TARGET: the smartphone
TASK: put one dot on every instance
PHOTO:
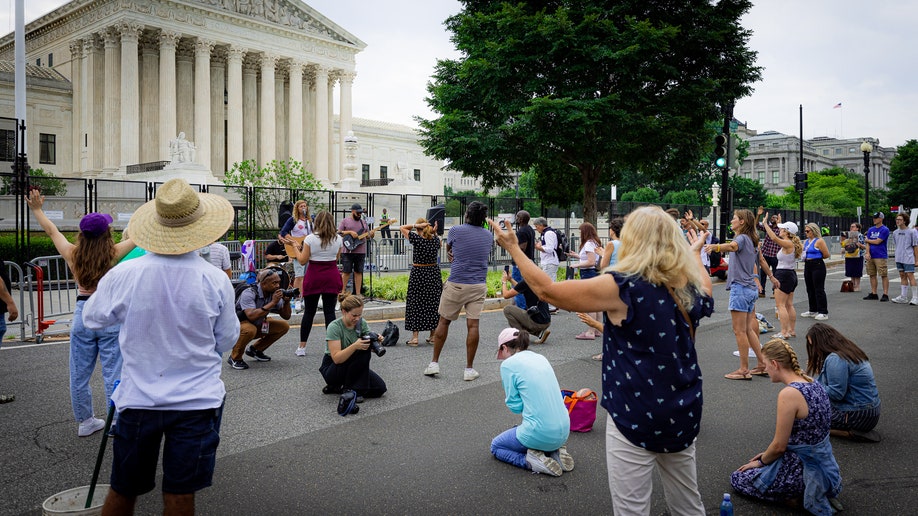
(507, 269)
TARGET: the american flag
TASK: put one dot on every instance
(836, 106)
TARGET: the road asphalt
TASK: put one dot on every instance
(424, 447)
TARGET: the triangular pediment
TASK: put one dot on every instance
(291, 14)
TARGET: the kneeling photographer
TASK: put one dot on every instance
(348, 344)
(252, 307)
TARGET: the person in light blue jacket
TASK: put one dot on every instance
(538, 443)
(844, 370)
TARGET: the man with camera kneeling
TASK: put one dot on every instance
(348, 344)
(252, 308)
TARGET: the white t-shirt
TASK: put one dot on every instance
(317, 253)
(589, 247)
(549, 244)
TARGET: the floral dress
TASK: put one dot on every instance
(425, 284)
(812, 429)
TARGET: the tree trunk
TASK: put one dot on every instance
(590, 180)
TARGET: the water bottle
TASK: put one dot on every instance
(726, 506)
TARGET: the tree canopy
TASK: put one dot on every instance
(834, 192)
(903, 175)
(585, 92)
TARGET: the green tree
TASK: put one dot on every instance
(747, 193)
(585, 92)
(276, 182)
(834, 192)
(682, 197)
(644, 194)
(903, 175)
(47, 182)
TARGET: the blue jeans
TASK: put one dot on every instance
(85, 345)
(519, 300)
(2, 328)
(507, 448)
(743, 298)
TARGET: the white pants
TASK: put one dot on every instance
(551, 269)
(631, 477)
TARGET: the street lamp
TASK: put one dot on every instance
(350, 155)
(866, 148)
(715, 203)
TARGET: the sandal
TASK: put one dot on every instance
(429, 340)
(738, 375)
(412, 343)
(758, 371)
(597, 357)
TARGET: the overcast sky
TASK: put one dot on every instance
(818, 53)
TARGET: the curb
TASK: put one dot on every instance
(391, 310)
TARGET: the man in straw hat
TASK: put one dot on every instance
(177, 317)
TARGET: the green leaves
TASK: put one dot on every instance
(903, 175)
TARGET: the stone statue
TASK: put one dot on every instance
(181, 150)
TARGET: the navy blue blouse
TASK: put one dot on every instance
(651, 382)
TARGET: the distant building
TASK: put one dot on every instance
(775, 157)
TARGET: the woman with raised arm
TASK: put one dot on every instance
(798, 462)
(94, 253)
(425, 284)
(653, 299)
(785, 275)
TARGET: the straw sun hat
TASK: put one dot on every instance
(179, 219)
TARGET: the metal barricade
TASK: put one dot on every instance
(52, 296)
(14, 272)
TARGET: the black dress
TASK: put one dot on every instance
(425, 284)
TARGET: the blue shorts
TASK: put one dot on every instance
(905, 267)
(189, 453)
(742, 298)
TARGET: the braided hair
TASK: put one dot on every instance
(780, 350)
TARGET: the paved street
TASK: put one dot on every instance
(423, 448)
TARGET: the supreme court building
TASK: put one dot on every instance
(113, 83)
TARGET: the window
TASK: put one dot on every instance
(761, 177)
(383, 172)
(852, 150)
(50, 60)
(38, 62)
(775, 176)
(47, 152)
(825, 152)
(417, 174)
(838, 150)
(7, 145)
(365, 172)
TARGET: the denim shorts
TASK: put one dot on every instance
(905, 267)
(189, 453)
(742, 298)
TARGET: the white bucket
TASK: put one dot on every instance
(73, 501)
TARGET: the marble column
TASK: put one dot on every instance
(96, 96)
(344, 121)
(267, 134)
(149, 99)
(250, 108)
(76, 122)
(167, 93)
(234, 147)
(130, 95)
(184, 89)
(87, 90)
(295, 112)
(321, 165)
(202, 50)
(218, 113)
(112, 119)
(309, 120)
(329, 129)
(280, 113)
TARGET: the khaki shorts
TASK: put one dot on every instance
(877, 265)
(457, 296)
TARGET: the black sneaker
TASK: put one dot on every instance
(257, 355)
(871, 296)
(884, 298)
(328, 389)
(237, 364)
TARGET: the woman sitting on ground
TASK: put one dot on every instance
(844, 370)
(799, 461)
(346, 364)
(538, 443)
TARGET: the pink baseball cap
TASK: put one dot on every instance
(506, 336)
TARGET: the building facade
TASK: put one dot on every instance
(242, 79)
(774, 158)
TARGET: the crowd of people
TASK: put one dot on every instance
(652, 269)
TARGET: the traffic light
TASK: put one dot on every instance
(800, 181)
(720, 151)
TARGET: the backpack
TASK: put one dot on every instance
(715, 256)
(564, 245)
(238, 290)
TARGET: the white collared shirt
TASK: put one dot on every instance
(177, 317)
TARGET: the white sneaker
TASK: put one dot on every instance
(432, 369)
(300, 352)
(541, 463)
(90, 426)
(470, 374)
(563, 458)
(900, 299)
(914, 301)
(822, 317)
(808, 314)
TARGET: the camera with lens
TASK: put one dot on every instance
(291, 292)
(375, 345)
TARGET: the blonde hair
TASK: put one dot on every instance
(351, 302)
(296, 209)
(798, 245)
(427, 231)
(748, 229)
(814, 229)
(780, 350)
(654, 248)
